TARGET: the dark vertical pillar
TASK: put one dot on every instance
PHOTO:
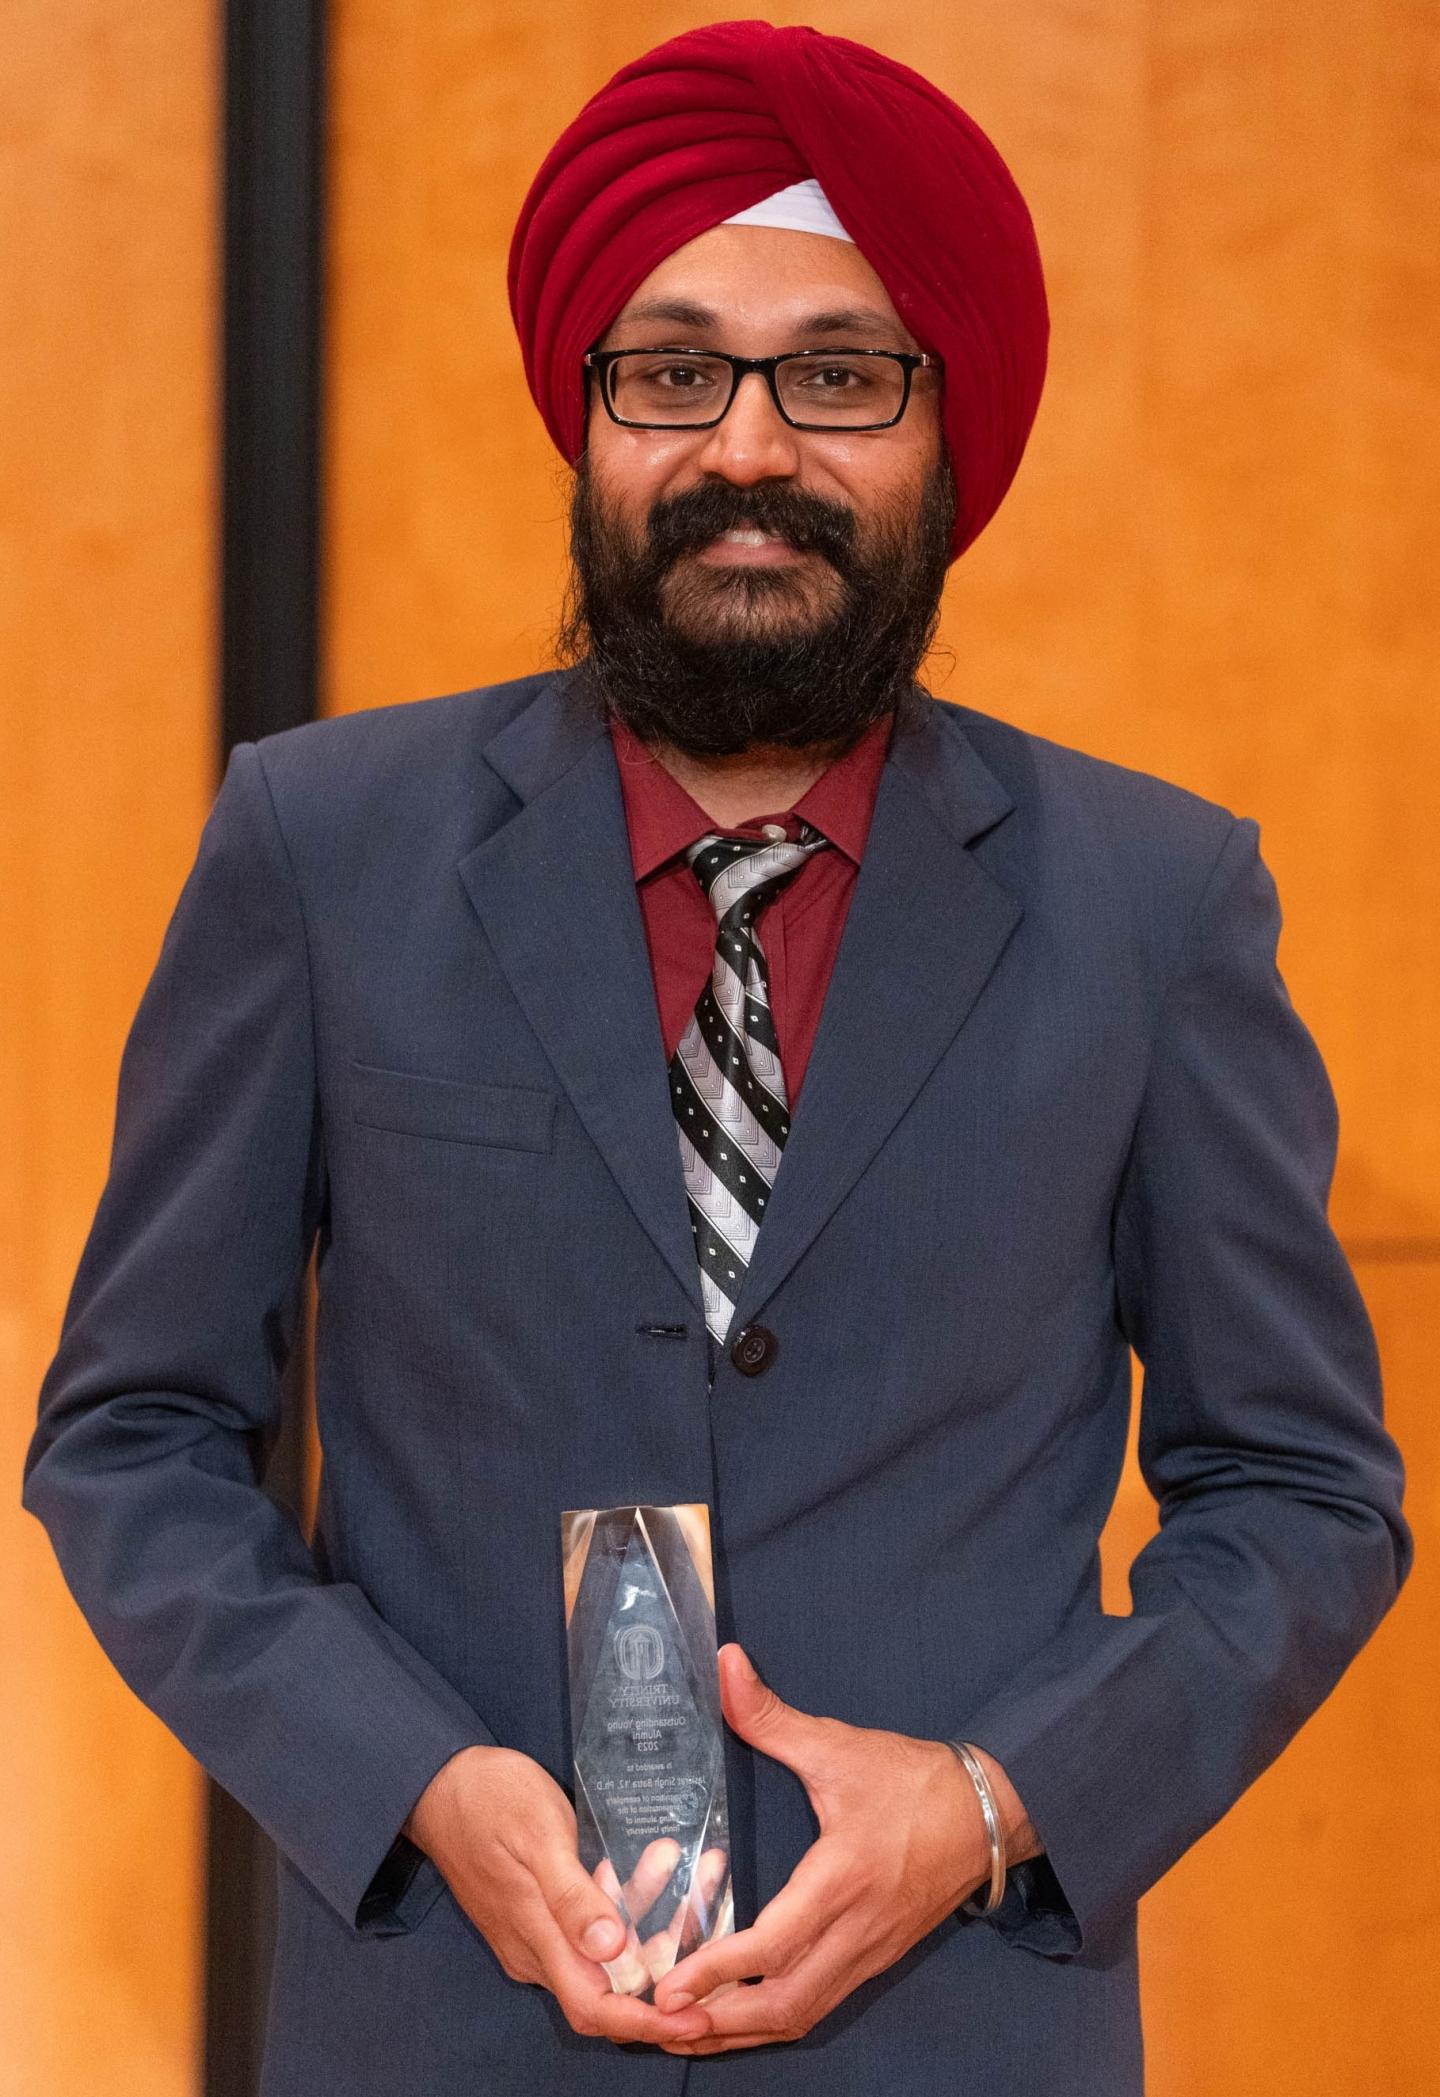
(273, 284)
(272, 225)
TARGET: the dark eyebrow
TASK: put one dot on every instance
(681, 311)
(850, 320)
(835, 322)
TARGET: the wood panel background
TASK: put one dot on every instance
(1217, 564)
(107, 766)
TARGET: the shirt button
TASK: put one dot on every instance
(774, 831)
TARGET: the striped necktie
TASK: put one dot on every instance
(726, 1084)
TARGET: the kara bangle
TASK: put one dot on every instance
(988, 1808)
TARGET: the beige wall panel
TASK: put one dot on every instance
(1217, 564)
(107, 294)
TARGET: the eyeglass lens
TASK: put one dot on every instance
(843, 392)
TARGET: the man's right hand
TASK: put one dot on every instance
(502, 1833)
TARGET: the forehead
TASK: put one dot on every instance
(760, 280)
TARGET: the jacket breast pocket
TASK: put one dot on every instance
(510, 1117)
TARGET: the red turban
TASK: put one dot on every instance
(719, 118)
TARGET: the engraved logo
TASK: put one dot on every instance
(640, 1651)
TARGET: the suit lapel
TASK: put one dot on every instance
(925, 927)
(554, 889)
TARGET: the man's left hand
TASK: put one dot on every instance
(902, 1842)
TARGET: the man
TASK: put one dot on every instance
(718, 1072)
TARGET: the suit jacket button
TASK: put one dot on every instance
(753, 1349)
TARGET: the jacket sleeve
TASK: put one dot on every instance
(1281, 1542)
(164, 1395)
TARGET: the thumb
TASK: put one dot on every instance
(763, 1719)
(589, 1921)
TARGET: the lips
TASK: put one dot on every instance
(750, 542)
(748, 546)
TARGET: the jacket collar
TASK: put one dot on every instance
(554, 889)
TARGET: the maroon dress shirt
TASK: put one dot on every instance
(799, 929)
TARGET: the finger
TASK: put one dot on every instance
(811, 1900)
(592, 2007)
(787, 2005)
(627, 1971)
(598, 2012)
(764, 1720)
(653, 1872)
(588, 1916)
(694, 1918)
(709, 1912)
(713, 1875)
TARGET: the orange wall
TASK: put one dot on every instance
(1217, 564)
(107, 296)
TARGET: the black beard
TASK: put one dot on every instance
(714, 660)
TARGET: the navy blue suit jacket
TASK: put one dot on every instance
(1059, 1106)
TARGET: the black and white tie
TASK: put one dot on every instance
(726, 1084)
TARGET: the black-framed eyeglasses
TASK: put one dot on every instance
(822, 389)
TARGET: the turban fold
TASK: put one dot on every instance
(801, 207)
(720, 118)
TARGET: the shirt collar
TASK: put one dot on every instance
(663, 818)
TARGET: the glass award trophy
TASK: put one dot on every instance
(646, 1730)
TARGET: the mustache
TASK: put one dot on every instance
(687, 522)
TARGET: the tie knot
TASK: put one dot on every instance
(739, 874)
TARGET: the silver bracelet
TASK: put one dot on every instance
(968, 1757)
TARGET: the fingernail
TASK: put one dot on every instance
(745, 1668)
(679, 2002)
(601, 1937)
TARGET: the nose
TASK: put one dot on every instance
(752, 442)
